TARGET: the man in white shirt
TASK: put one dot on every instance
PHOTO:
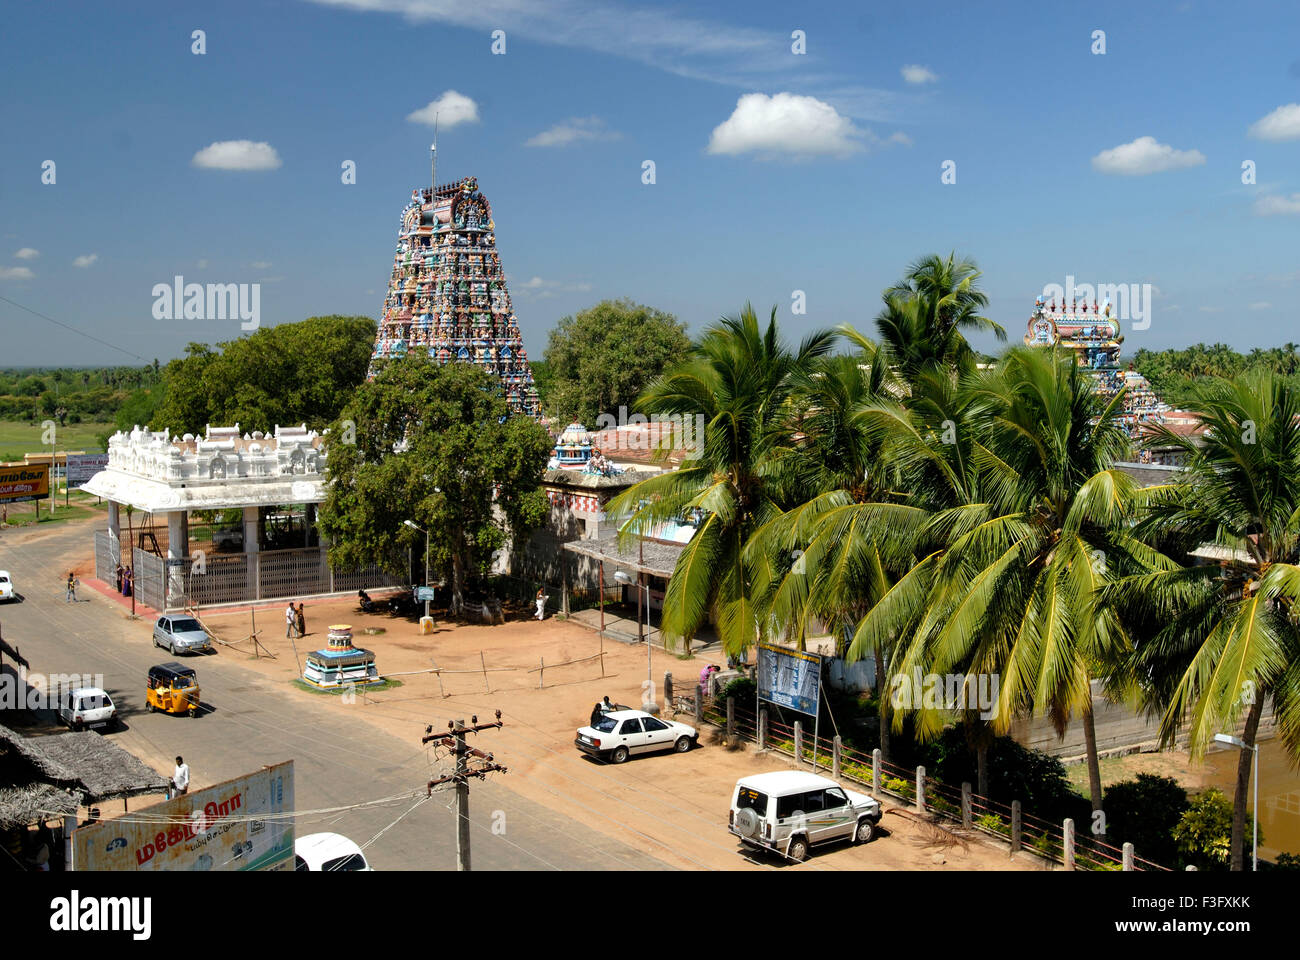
(181, 778)
(290, 620)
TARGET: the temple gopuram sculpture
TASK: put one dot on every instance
(448, 294)
(1094, 336)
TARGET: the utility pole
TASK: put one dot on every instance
(454, 739)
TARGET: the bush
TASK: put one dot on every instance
(1204, 832)
(742, 689)
(993, 823)
(897, 785)
(1144, 812)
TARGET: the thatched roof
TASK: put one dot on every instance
(45, 776)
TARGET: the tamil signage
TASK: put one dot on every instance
(24, 483)
(789, 678)
(83, 466)
(242, 824)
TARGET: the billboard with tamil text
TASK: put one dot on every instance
(22, 482)
(789, 678)
(242, 824)
(83, 466)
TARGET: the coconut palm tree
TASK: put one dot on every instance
(928, 312)
(1218, 639)
(740, 378)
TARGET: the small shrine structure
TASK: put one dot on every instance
(340, 664)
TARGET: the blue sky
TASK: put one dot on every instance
(1123, 167)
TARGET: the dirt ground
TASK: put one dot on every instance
(671, 806)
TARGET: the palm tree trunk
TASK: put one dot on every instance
(1094, 764)
(1243, 785)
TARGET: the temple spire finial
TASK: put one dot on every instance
(433, 157)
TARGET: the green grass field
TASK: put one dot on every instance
(18, 437)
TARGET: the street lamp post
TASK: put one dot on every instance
(1254, 764)
(426, 619)
(622, 577)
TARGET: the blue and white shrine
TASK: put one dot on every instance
(340, 664)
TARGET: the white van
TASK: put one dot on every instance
(790, 811)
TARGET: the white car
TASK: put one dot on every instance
(790, 811)
(86, 708)
(6, 586)
(327, 851)
(620, 734)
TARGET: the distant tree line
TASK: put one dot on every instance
(1173, 372)
(72, 394)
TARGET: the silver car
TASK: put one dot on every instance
(181, 634)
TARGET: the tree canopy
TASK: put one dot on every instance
(436, 445)
(604, 356)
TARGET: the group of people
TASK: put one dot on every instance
(600, 709)
(125, 580)
(294, 619)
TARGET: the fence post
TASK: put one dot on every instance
(798, 741)
(699, 704)
(876, 756)
(762, 729)
(835, 758)
(1015, 826)
(1069, 843)
(668, 691)
(920, 789)
(541, 672)
(1128, 856)
(965, 806)
(731, 719)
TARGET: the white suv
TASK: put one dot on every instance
(789, 811)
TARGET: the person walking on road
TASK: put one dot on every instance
(290, 621)
(72, 588)
(541, 604)
(302, 621)
(181, 778)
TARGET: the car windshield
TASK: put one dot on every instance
(186, 626)
(605, 725)
(182, 683)
(353, 861)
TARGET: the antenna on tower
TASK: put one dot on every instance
(433, 156)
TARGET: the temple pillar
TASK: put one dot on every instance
(178, 548)
(252, 544)
(115, 530)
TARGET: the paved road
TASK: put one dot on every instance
(250, 722)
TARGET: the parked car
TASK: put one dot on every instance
(6, 587)
(791, 811)
(230, 538)
(87, 708)
(623, 733)
(327, 851)
(180, 634)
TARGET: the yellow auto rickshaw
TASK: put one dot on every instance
(173, 688)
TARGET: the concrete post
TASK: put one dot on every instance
(699, 705)
(876, 757)
(731, 720)
(1069, 843)
(798, 741)
(836, 746)
(920, 789)
(965, 806)
(69, 842)
(1015, 826)
(115, 531)
(668, 690)
(251, 547)
(762, 729)
(1128, 856)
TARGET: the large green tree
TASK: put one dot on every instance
(287, 374)
(436, 445)
(603, 357)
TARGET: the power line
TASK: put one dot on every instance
(80, 333)
(464, 771)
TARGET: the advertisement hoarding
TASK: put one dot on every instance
(789, 678)
(24, 483)
(83, 466)
(242, 824)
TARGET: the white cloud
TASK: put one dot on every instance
(450, 109)
(85, 260)
(900, 137)
(1268, 205)
(237, 155)
(540, 289)
(1144, 155)
(571, 131)
(1282, 124)
(15, 273)
(203, 263)
(785, 123)
(1210, 309)
(915, 73)
(27, 253)
(260, 264)
(1261, 305)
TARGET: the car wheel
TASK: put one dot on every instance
(194, 711)
(866, 831)
(619, 754)
(148, 706)
(798, 850)
(171, 648)
(682, 745)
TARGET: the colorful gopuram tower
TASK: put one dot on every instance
(448, 293)
(1094, 336)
